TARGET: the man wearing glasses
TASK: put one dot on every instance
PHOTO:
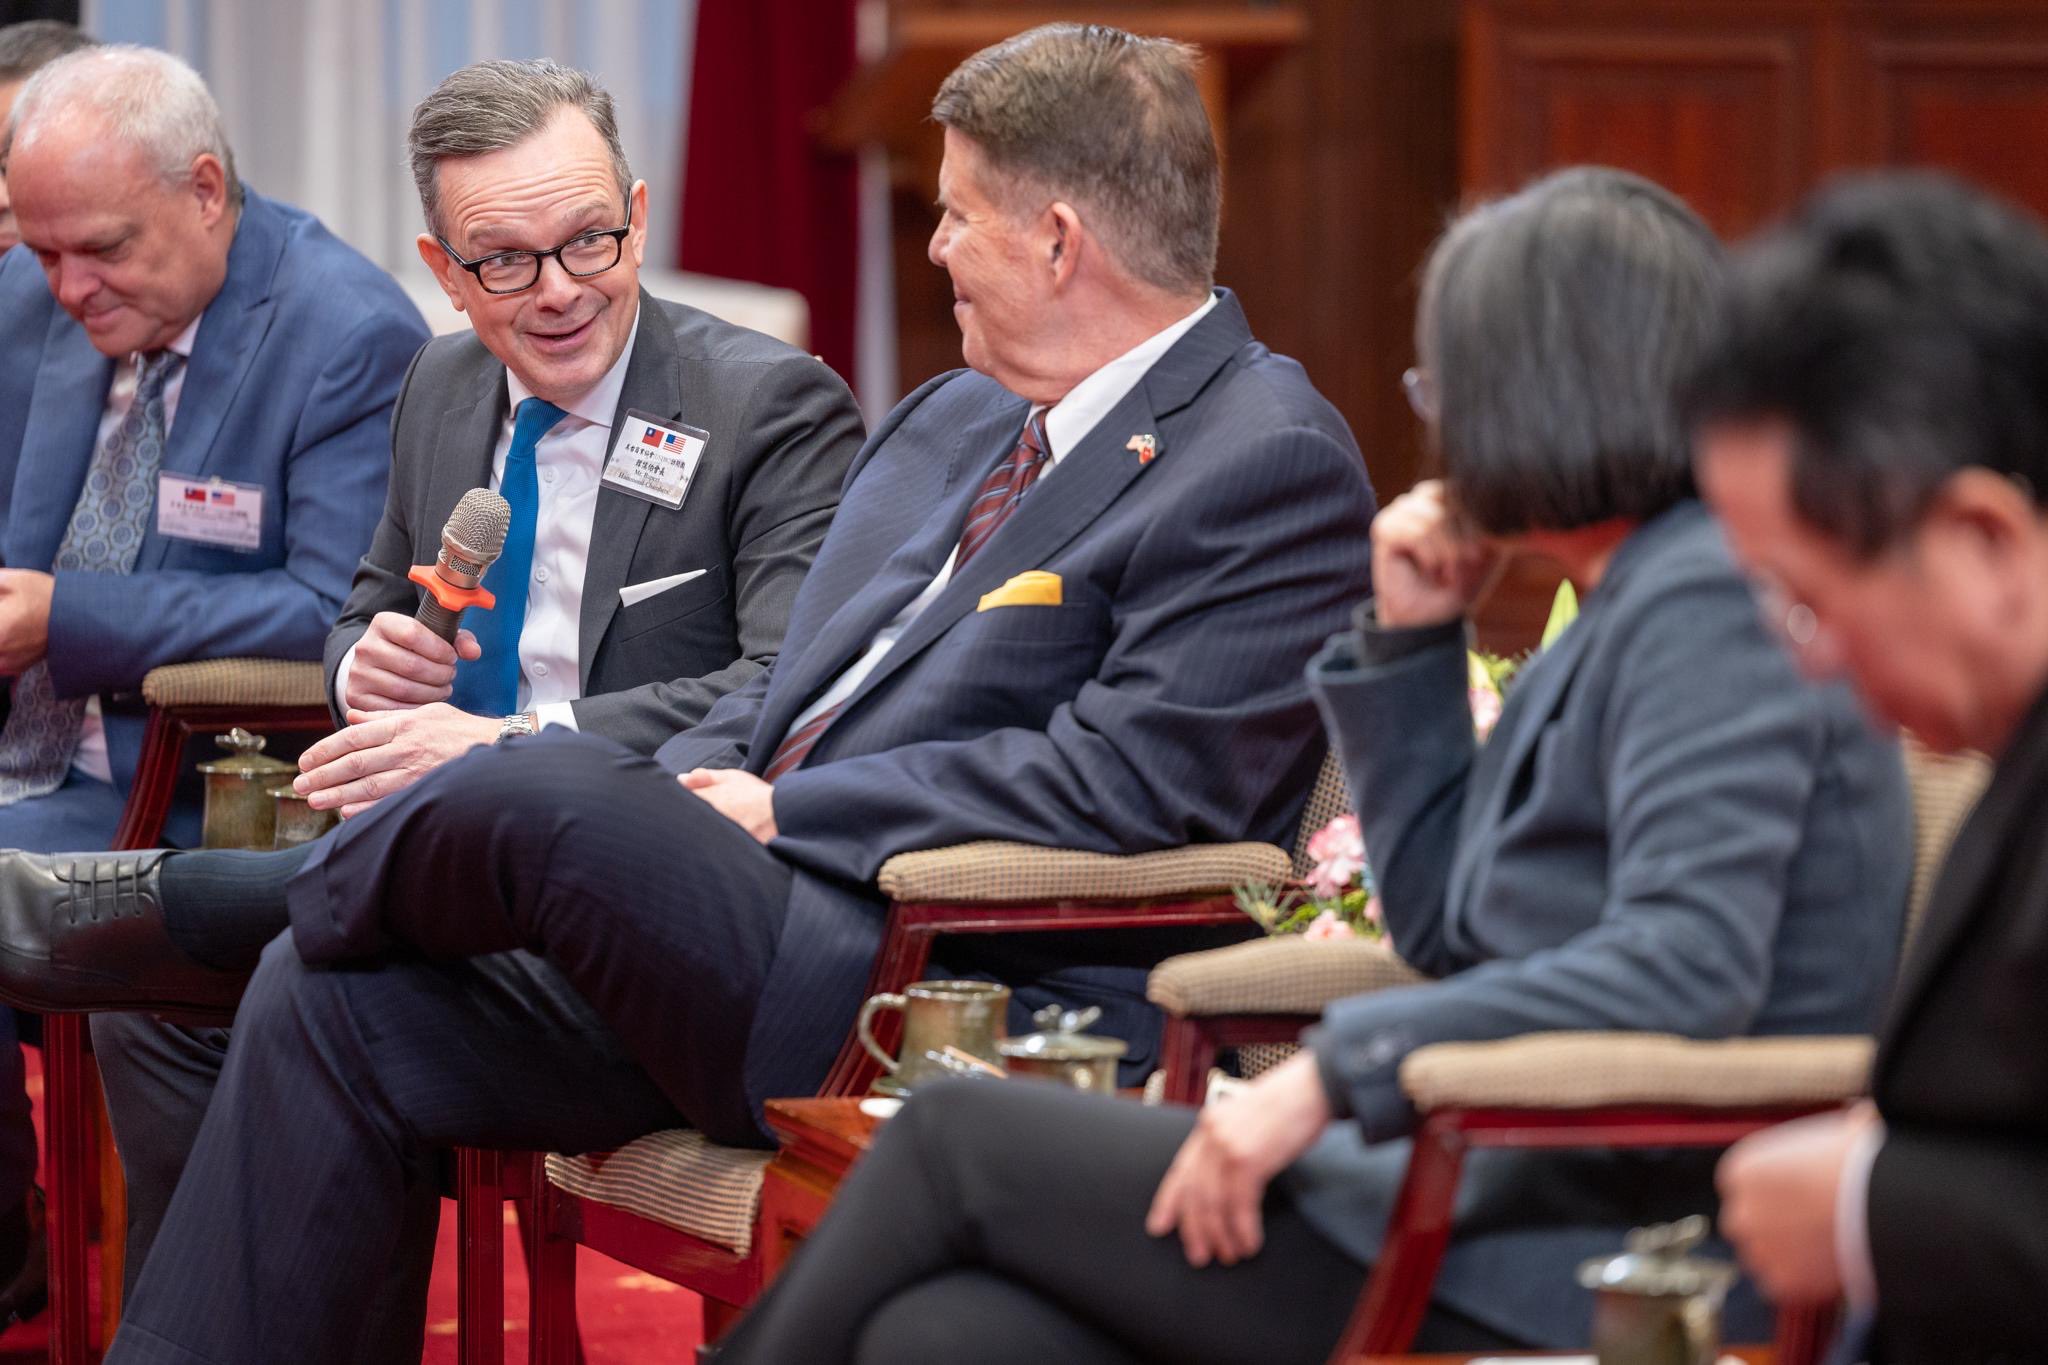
(619, 609)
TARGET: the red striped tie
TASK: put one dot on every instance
(998, 497)
(1003, 490)
(797, 743)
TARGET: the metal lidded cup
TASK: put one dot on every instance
(1062, 1052)
(966, 1015)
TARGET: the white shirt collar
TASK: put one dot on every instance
(600, 402)
(1068, 422)
(182, 343)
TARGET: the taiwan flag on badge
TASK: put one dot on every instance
(652, 438)
(195, 495)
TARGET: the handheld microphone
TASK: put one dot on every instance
(470, 543)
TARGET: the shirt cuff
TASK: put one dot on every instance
(1378, 644)
(1852, 1221)
(561, 713)
(341, 672)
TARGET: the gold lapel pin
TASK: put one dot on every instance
(1145, 444)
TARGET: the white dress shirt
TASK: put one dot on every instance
(89, 759)
(1853, 1256)
(570, 463)
(1067, 424)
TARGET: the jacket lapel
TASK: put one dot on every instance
(2009, 810)
(848, 632)
(653, 385)
(230, 332)
(1538, 695)
(464, 449)
(1087, 480)
(62, 432)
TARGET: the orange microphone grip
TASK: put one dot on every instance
(447, 594)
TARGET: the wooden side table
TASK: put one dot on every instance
(821, 1140)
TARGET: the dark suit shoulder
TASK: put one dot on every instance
(1274, 389)
(702, 336)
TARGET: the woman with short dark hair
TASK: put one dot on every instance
(1668, 831)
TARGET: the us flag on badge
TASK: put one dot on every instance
(222, 497)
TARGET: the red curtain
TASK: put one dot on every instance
(762, 200)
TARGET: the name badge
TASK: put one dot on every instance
(655, 461)
(210, 512)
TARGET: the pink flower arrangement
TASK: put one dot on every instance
(1338, 851)
(1335, 899)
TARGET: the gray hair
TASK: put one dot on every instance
(489, 106)
(1556, 327)
(29, 46)
(150, 100)
(1109, 121)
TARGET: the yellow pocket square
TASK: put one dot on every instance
(1034, 588)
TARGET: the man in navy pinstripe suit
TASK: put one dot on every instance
(1067, 600)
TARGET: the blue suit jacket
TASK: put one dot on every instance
(1668, 831)
(1160, 702)
(290, 386)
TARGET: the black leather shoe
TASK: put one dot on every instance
(85, 931)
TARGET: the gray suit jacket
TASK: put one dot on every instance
(1668, 831)
(783, 431)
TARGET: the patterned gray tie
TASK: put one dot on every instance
(104, 536)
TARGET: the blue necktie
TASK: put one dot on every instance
(489, 685)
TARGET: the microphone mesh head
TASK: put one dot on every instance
(479, 523)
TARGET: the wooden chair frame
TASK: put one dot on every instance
(73, 1110)
(728, 1281)
(1390, 1308)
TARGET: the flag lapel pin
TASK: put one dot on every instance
(1146, 445)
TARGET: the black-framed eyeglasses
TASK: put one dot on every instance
(510, 272)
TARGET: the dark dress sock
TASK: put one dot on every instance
(222, 905)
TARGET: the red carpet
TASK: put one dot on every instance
(628, 1318)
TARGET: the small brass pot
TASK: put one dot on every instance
(239, 811)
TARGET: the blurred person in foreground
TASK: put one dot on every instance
(1066, 600)
(196, 386)
(1667, 831)
(1873, 430)
(25, 49)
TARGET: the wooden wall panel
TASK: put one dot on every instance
(1742, 106)
(1340, 166)
(1973, 106)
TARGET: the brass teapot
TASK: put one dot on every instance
(1655, 1304)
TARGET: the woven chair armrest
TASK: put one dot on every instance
(236, 682)
(1288, 975)
(1599, 1070)
(993, 870)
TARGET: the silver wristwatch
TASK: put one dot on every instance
(520, 724)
